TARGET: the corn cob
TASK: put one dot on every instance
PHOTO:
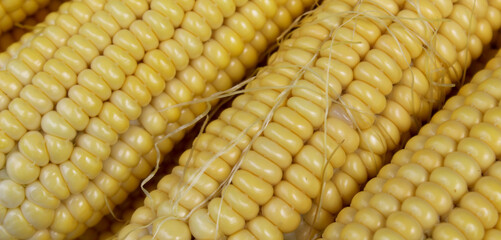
(446, 183)
(14, 34)
(256, 164)
(93, 188)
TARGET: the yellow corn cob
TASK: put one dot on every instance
(87, 156)
(446, 183)
(14, 34)
(290, 133)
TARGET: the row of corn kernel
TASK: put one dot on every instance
(220, 133)
(410, 104)
(225, 78)
(445, 184)
(106, 183)
(13, 35)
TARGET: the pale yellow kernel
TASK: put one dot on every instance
(257, 189)
(216, 53)
(160, 25)
(37, 216)
(369, 217)
(83, 47)
(489, 187)
(77, 181)
(136, 89)
(436, 196)
(313, 160)
(206, 69)
(202, 226)
(389, 45)
(20, 169)
(12, 194)
(120, 56)
(230, 40)
(405, 224)
(264, 229)
(170, 9)
(361, 114)
(72, 113)
(259, 165)
(346, 215)
(127, 41)
(422, 211)
(120, 12)
(293, 196)
(478, 149)
(388, 171)
(108, 185)
(361, 200)
(109, 71)
(32, 146)
(384, 203)
(94, 83)
(63, 222)
(145, 34)
(11, 126)
(451, 181)
(17, 225)
(86, 162)
(176, 52)
(373, 140)
(10, 85)
(44, 45)
(39, 195)
(467, 223)
(53, 181)
(481, 208)
(345, 182)
(229, 220)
